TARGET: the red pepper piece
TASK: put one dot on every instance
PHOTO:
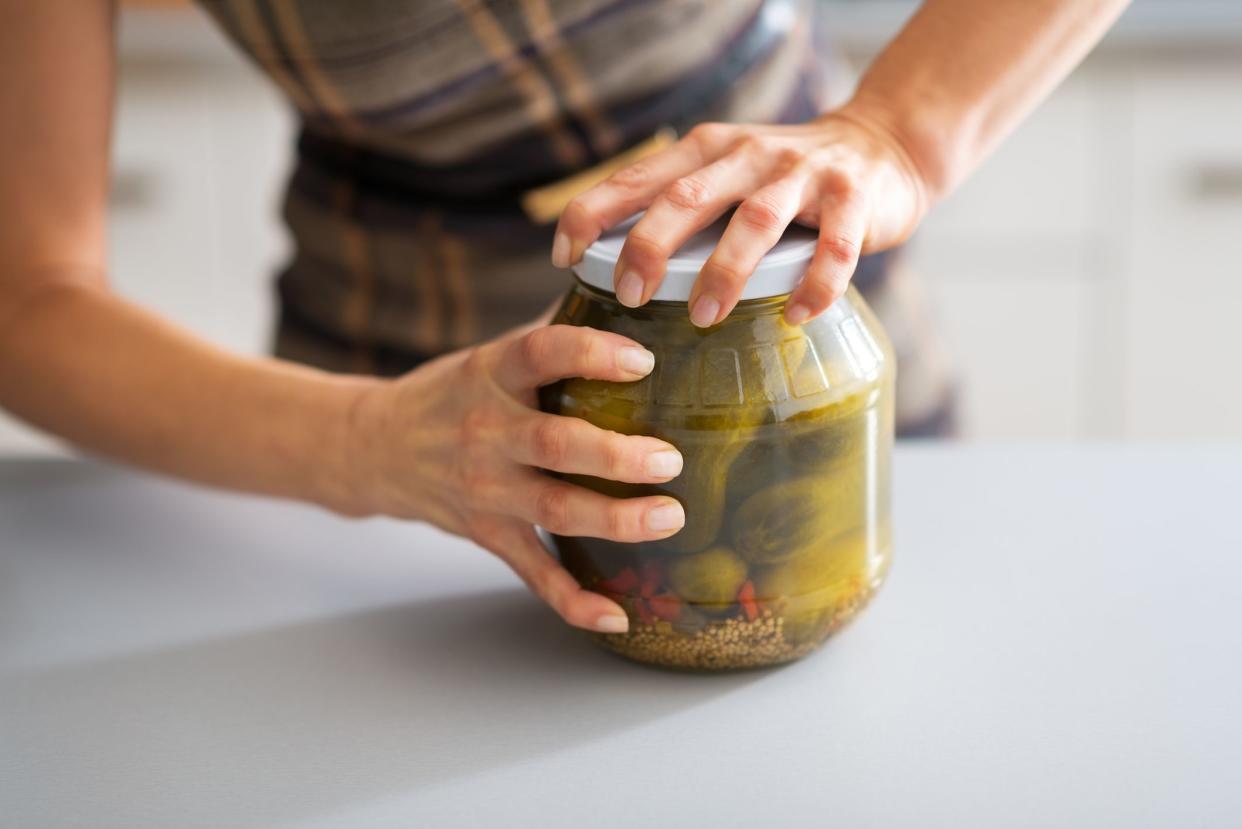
(650, 579)
(746, 598)
(624, 582)
(666, 605)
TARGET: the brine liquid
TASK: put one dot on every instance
(800, 542)
(786, 435)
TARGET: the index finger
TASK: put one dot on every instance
(618, 197)
(557, 352)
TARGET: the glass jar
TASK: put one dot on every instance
(786, 434)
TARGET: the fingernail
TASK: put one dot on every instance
(668, 517)
(704, 311)
(663, 464)
(797, 314)
(560, 251)
(612, 624)
(630, 289)
(638, 361)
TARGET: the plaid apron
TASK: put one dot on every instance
(424, 121)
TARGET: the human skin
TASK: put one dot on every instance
(938, 99)
(459, 442)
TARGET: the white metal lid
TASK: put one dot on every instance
(778, 272)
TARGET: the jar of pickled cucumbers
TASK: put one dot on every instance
(786, 434)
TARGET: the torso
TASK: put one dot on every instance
(442, 82)
(424, 120)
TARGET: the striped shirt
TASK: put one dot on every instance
(425, 120)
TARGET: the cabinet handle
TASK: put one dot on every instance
(1216, 181)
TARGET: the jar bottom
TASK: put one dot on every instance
(734, 643)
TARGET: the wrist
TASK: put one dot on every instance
(394, 443)
(345, 483)
(919, 142)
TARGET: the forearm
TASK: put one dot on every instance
(84, 364)
(963, 73)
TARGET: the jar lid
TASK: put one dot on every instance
(778, 273)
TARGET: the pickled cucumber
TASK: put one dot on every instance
(708, 453)
(824, 575)
(711, 577)
(830, 435)
(813, 588)
(700, 488)
(793, 518)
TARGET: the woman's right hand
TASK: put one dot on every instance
(459, 443)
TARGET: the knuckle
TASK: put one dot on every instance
(708, 133)
(551, 444)
(838, 183)
(616, 522)
(535, 347)
(474, 477)
(719, 272)
(637, 176)
(616, 457)
(475, 428)
(641, 244)
(578, 213)
(753, 146)
(790, 158)
(762, 213)
(688, 193)
(841, 248)
(473, 472)
(552, 509)
(591, 352)
(744, 143)
(475, 364)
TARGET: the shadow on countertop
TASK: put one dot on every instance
(299, 720)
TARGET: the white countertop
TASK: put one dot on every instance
(1058, 645)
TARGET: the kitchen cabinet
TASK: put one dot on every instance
(1021, 367)
(1011, 268)
(1100, 252)
(200, 157)
(1184, 331)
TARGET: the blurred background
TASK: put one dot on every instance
(1088, 278)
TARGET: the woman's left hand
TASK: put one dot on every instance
(843, 173)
